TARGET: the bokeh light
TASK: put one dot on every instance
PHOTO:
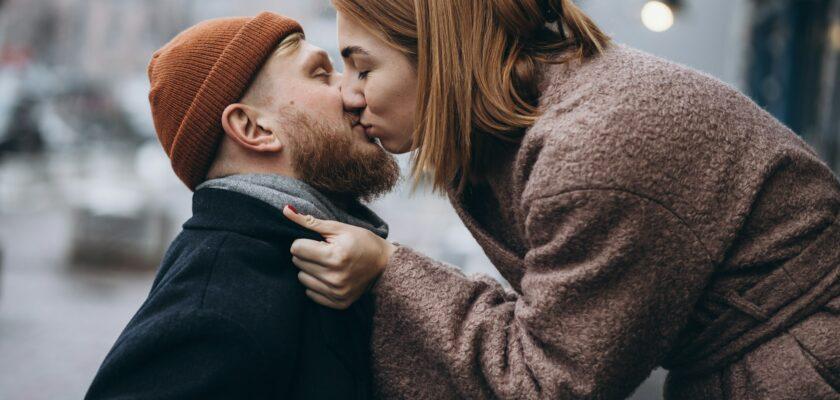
(657, 16)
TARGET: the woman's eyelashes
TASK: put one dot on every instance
(363, 75)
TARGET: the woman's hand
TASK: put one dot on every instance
(341, 269)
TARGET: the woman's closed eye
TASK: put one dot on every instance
(363, 75)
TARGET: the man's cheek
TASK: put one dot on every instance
(323, 108)
(311, 102)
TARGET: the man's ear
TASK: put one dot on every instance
(241, 124)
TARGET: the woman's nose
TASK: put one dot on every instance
(352, 96)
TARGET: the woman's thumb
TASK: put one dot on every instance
(309, 222)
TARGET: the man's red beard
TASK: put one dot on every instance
(330, 159)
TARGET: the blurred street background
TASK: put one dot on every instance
(88, 202)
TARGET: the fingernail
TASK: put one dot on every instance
(291, 207)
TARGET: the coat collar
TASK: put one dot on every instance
(280, 190)
(216, 209)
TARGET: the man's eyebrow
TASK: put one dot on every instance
(317, 58)
(349, 51)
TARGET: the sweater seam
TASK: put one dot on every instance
(642, 196)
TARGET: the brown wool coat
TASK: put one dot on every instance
(653, 216)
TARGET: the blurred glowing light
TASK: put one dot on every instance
(834, 35)
(657, 16)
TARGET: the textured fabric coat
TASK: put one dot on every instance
(653, 216)
(227, 318)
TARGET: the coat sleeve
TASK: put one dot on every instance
(610, 279)
(195, 355)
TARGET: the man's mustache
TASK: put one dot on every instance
(352, 118)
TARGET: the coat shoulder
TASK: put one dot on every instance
(626, 80)
(255, 283)
(632, 121)
(247, 281)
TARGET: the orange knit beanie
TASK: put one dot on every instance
(198, 74)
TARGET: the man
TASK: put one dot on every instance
(251, 116)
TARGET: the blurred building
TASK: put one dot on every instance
(109, 39)
(794, 68)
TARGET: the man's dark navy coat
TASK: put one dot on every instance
(226, 318)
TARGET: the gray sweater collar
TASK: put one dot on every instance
(279, 190)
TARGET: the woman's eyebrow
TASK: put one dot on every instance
(350, 51)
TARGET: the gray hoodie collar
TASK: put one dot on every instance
(279, 190)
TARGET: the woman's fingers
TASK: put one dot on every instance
(310, 250)
(329, 283)
(314, 269)
(316, 285)
(340, 269)
(324, 227)
(326, 302)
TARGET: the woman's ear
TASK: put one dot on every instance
(241, 123)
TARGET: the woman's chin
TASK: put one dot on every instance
(392, 148)
(395, 146)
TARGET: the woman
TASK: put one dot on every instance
(644, 214)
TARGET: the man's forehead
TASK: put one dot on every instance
(313, 50)
(302, 54)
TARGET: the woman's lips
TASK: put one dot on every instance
(369, 132)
